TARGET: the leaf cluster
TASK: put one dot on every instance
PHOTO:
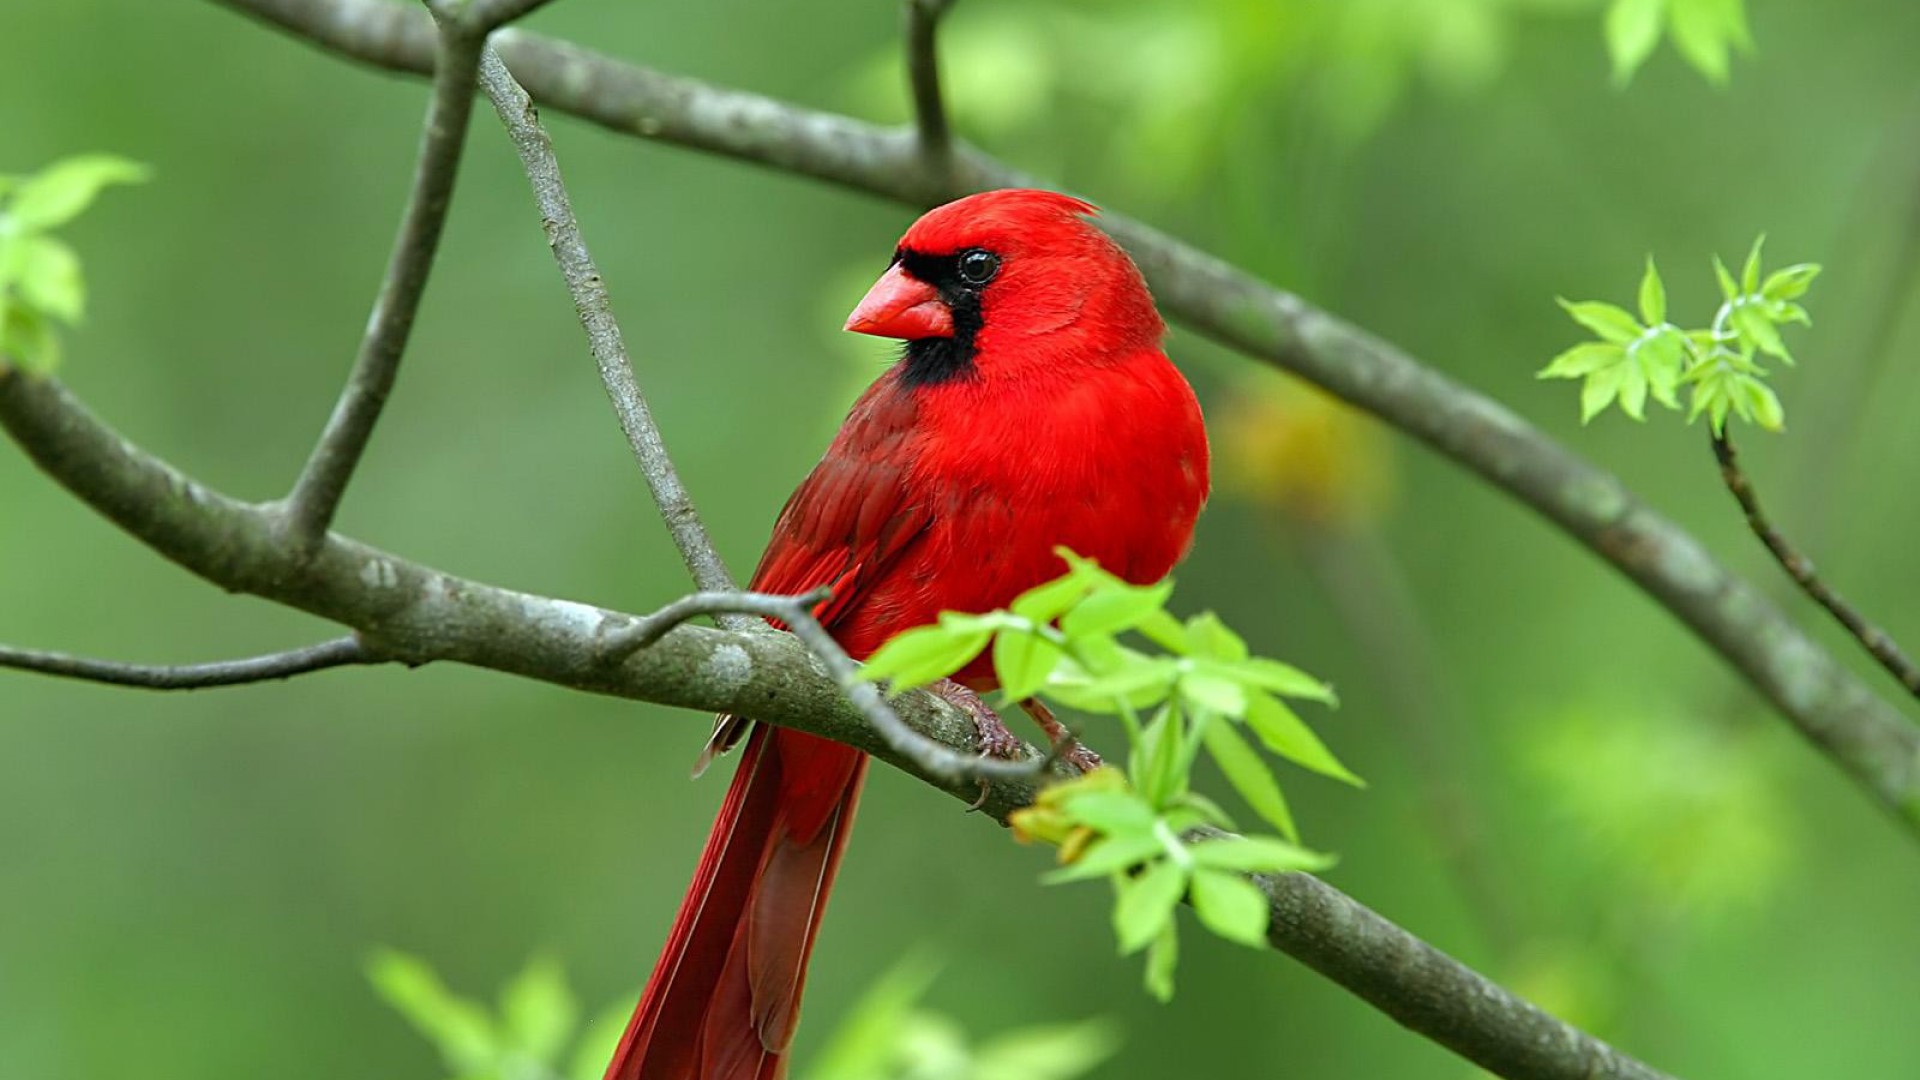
(1704, 31)
(1199, 690)
(40, 279)
(1719, 366)
(890, 1035)
(526, 1038)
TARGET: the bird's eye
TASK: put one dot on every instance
(978, 267)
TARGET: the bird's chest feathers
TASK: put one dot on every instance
(1080, 462)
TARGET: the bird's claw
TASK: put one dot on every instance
(990, 732)
(1080, 756)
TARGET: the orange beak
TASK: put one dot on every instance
(901, 306)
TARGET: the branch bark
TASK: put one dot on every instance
(416, 614)
(1861, 732)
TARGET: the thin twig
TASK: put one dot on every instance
(340, 652)
(1800, 569)
(595, 309)
(311, 505)
(923, 77)
(623, 643)
(796, 612)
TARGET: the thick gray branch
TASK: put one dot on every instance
(1861, 732)
(316, 495)
(340, 652)
(609, 348)
(416, 614)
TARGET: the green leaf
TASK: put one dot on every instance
(458, 1028)
(1048, 601)
(28, 339)
(1610, 322)
(1161, 773)
(1052, 1052)
(1653, 296)
(1164, 630)
(1750, 273)
(1583, 359)
(1790, 283)
(1662, 358)
(867, 1041)
(1728, 287)
(1633, 29)
(1208, 636)
(1114, 607)
(1258, 671)
(1116, 813)
(1257, 855)
(1705, 30)
(1141, 682)
(1205, 688)
(60, 192)
(1782, 311)
(1756, 329)
(1724, 388)
(1024, 660)
(538, 1011)
(1230, 906)
(1284, 733)
(1109, 855)
(1763, 406)
(1249, 776)
(1633, 392)
(923, 655)
(1161, 960)
(1599, 391)
(48, 277)
(1145, 904)
(1203, 810)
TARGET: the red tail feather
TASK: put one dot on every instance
(725, 994)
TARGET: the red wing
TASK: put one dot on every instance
(854, 514)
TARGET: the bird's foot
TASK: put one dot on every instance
(1066, 746)
(990, 731)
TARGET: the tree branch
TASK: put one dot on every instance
(1800, 568)
(595, 308)
(923, 79)
(491, 14)
(1860, 731)
(316, 495)
(416, 614)
(796, 612)
(340, 652)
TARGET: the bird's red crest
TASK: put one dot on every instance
(992, 217)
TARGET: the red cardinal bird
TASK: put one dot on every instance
(1032, 408)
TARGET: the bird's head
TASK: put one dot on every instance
(1005, 282)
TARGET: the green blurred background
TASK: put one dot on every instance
(1567, 789)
